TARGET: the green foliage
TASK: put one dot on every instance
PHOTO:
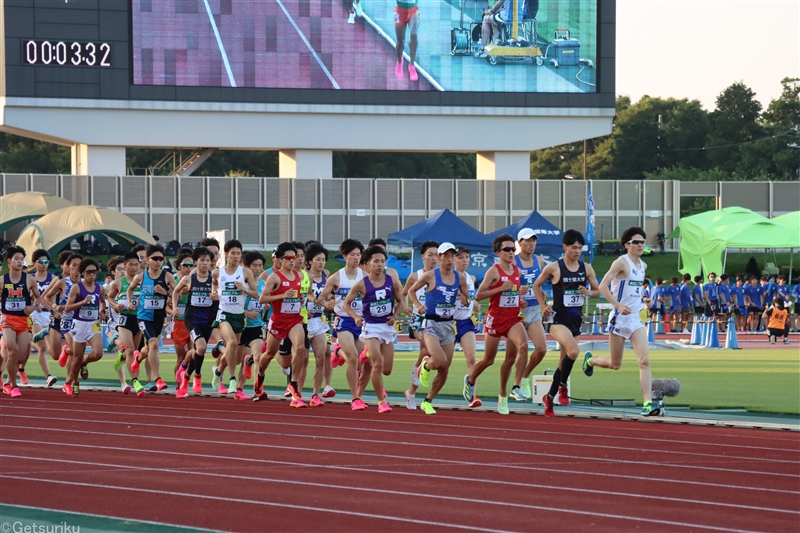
(19, 155)
(403, 166)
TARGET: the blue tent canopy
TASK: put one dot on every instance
(548, 236)
(444, 226)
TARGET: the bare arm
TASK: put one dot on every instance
(359, 289)
(617, 267)
(412, 289)
(491, 278)
(273, 282)
(331, 285)
(548, 273)
(137, 280)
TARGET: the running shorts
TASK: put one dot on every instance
(465, 326)
(129, 322)
(151, 329)
(19, 324)
(383, 332)
(499, 328)
(624, 325)
(572, 323)
(251, 334)
(444, 331)
(180, 335)
(286, 344)
(84, 331)
(531, 314)
(402, 15)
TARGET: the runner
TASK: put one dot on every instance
(156, 284)
(201, 310)
(19, 299)
(180, 335)
(318, 328)
(232, 283)
(530, 267)
(41, 318)
(252, 338)
(127, 324)
(627, 320)
(283, 287)
(501, 285)
(442, 286)
(465, 316)
(568, 277)
(87, 300)
(116, 268)
(286, 344)
(347, 332)
(406, 14)
(213, 246)
(61, 320)
(430, 258)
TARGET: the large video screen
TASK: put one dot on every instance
(444, 45)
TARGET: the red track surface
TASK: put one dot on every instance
(265, 467)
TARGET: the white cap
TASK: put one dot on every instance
(445, 246)
(24, 264)
(525, 233)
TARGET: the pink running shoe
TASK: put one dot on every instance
(288, 392)
(135, 364)
(23, 378)
(316, 401)
(563, 395)
(336, 359)
(298, 404)
(62, 359)
(383, 407)
(179, 393)
(398, 70)
(549, 412)
(248, 366)
(184, 388)
(476, 402)
(127, 389)
(240, 395)
(412, 73)
(222, 390)
(197, 385)
(179, 375)
(7, 388)
(15, 393)
(160, 385)
(363, 356)
(357, 405)
(67, 388)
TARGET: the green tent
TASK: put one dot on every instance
(705, 237)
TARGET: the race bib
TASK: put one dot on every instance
(445, 310)
(253, 305)
(380, 308)
(181, 310)
(89, 313)
(290, 306)
(14, 305)
(314, 308)
(572, 298)
(201, 300)
(122, 320)
(152, 302)
(231, 299)
(509, 299)
(357, 306)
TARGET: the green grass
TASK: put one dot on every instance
(757, 380)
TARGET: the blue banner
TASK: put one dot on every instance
(590, 224)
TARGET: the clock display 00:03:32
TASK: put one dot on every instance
(64, 53)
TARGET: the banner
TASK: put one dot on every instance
(590, 224)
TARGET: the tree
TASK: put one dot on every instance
(734, 121)
(20, 155)
(405, 165)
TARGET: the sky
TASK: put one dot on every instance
(695, 49)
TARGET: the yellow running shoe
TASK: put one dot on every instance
(427, 408)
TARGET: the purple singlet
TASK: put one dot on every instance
(379, 301)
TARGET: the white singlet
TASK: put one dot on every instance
(628, 291)
(231, 299)
(462, 311)
(345, 284)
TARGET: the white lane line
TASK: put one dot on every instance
(402, 473)
(219, 43)
(308, 45)
(403, 494)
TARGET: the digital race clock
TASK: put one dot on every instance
(66, 53)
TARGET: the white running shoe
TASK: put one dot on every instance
(359, 11)
(415, 376)
(411, 402)
(214, 378)
(352, 18)
(286, 371)
(51, 380)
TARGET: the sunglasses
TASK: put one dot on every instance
(120, 269)
(43, 261)
(508, 249)
(289, 257)
(88, 272)
(187, 265)
(157, 258)
(636, 241)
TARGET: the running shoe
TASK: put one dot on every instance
(587, 368)
(469, 390)
(424, 373)
(7, 388)
(138, 387)
(427, 408)
(412, 73)
(184, 385)
(298, 404)
(352, 18)
(411, 402)
(67, 388)
(51, 380)
(287, 393)
(150, 386)
(120, 360)
(328, 392)
(197, 385)
(316, 401)
(258, 386)
(62, 358)
(516, 393)
(398, 70)
(772, 339)
(240, 395)
(563, 395)
(549, 412)
(475, 403)
(526, 388)
(214, 378)
(179, 375)
(110, 345)
(357, 405)
(415, 376)
(135, 363)
(384, 407)
(363, 356)
(232, 384)
(222, 390)
(179, 394)
(359, 11)
(650, 409)
(76, 390)
(502, 405)
(40, 336)
(248, 366)
(297, 395)
(216, 351)
(126, 389)
(336, 359)
(287, 371)
(160, 384)
(23, 377)
(263, 347)
(786, 340)
(84, 371)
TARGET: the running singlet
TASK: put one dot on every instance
(462, 311)
(152, 304)
(15, 296)
(505, 305)
(231, 299)
(345, 284)
(122, 297)
(88, 312)
(628, 291)
(567, 301)
(379, 301)
(44, 284)
(314, 310)
(201, 309)
(421, 294)
(286, 311)
(440, 303)
(305, 286)
(66, 316)
(252, 305)
(182, 303)
(527, 276)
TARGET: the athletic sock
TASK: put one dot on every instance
(566, 369)
(554, 386)
(293, 384)
(198, 363)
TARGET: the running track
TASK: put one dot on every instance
(266, 467)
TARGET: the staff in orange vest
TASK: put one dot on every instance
(778, 325)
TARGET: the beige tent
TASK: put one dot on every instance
(55, 230)
(19, 206)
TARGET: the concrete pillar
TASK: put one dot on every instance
(310, 164)
(98, 160)
(504, 166)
